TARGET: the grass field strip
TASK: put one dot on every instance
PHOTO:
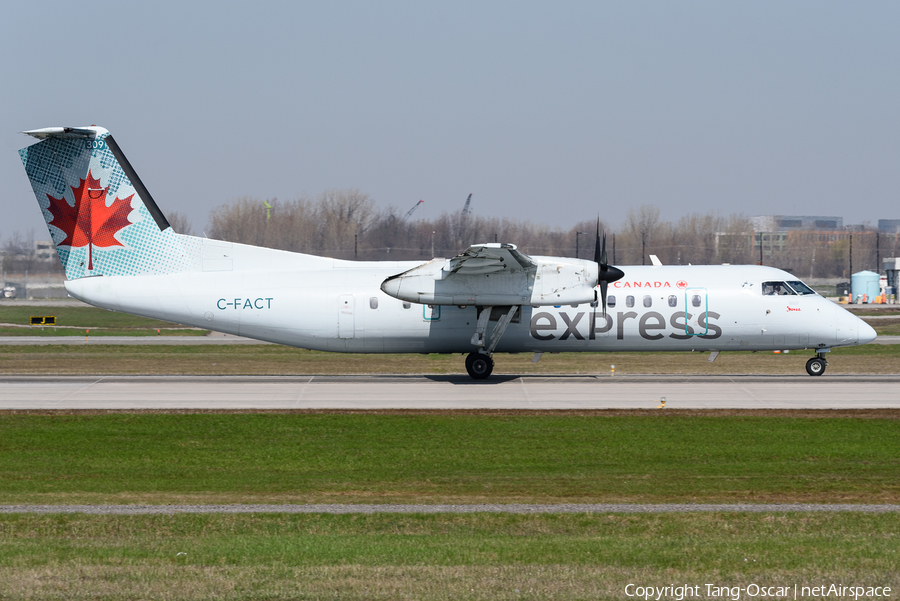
(512, 508)
(481, 505)
(454, 459)
(441, 556)
(119, 340)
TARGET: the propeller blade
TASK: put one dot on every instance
(604, 285)
(605, 273)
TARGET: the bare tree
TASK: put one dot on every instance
(180, 223)
(345, 224)
(640, 229)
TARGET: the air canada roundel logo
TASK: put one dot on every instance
(681, 284)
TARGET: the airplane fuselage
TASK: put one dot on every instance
(333, 305)
(119, 252)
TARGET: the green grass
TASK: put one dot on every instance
(869, 310)
(73, 321)
(886, 327)
(477, 556)
(97, 359)
(94, 332)
(165, 458)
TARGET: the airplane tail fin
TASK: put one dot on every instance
(101, 218)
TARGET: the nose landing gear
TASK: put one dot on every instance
(816, 365)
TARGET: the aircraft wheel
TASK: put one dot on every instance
(479, 365)
(815, 366)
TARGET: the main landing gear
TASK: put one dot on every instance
(816, 365)
(479, 365)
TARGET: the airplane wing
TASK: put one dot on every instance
(496, 275)
(489, 258)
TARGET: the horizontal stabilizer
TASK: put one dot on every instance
(65, 132)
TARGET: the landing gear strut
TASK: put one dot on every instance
(479, 365)
(816, 365)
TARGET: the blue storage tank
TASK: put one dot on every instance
(864, 282)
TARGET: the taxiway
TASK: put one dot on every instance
(447, 392)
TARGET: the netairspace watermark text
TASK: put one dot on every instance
(679, 592)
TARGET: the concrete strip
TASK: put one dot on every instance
(448, 392)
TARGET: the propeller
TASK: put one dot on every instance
(606, 273)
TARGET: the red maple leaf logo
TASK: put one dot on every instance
(90, 222)
(681, 284)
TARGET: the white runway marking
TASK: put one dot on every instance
(79, 391)
(302, 390)
(449, 392)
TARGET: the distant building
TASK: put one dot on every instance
(44, 250)
(774, 232)
(789, 223)
(889, 226)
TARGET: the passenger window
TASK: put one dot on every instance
(629, 301)
(611, 301)
(695, 300)
(648, 301)
(673, 300)
(407, 305)
(373, 302)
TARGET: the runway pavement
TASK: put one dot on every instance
(449, 392)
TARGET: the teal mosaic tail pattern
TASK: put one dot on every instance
(101, 222)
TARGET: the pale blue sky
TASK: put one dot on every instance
(549, 112)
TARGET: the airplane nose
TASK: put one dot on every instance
(866, 333)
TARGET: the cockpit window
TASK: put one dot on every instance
(800, 288)
(776, 289)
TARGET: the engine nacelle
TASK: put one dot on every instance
(548, 281)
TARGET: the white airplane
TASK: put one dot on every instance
(120, 253)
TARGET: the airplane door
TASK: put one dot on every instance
(431, 312)
(696, 303)
(346, 323)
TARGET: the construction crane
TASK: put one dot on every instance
(411, 211)
(465, 211)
